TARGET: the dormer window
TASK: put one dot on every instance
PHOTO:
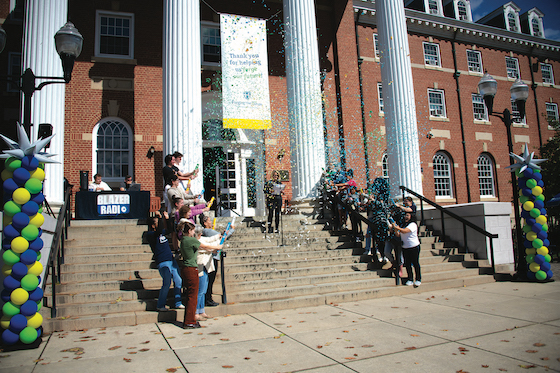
(462, 11)
(433, 7)
(512, 22)
(535, 24)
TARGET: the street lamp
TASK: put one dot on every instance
(68, 42)
(487, 86)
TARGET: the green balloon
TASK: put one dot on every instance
(536, 170)
(518, 173)
(540, 197)
(540, 275)
(11, 208)
(523, 199)
(10, 257)
(30, 232)
(13, 163)
(545, 227)
(39, 305)
(40, 208)
(39, 256)
(547, 258)
(29, 282)
(537, 243)
(535, 212)
(531, 183)
(527, 228)
(33, 185)
(10, 309)
(29, 334)
(530, 259)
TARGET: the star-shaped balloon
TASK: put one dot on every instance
(525, 161)
(25, 147)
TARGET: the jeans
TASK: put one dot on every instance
(169, 270)
(202, 287)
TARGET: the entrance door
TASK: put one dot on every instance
(229, 180)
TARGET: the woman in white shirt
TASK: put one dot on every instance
(411, 248)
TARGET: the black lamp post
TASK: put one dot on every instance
(68, 42)
(488, 87)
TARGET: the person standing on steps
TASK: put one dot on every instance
(411, 248)
(273, 190)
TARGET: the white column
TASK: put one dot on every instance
(398, 98)
(42, 20)
(182, 97)
(304, 97)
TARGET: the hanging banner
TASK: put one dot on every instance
(245, 95)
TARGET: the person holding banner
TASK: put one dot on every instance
(273, 190)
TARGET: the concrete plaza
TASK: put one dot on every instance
(502, 326)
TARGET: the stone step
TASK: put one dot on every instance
(111, 285)
(128, 275)
(107, 267)
(70, 260)
(289, 264)
(99, 250)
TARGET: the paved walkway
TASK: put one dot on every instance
(485, 328)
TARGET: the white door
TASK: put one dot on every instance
(229, 183)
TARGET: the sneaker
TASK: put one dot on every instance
(180, 307)
(162, 309)
(417, 283)
(409, 283)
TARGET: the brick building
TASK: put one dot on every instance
(114, 112)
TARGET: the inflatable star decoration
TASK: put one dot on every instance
(25, 147)
(525, 161)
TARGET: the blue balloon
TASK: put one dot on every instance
(537, 176)
(543, 211)
(19, 270)
(527, 192)
(530, 274)
(5, 295)
(549, 274)
(21, 175)
(40, 233)
(9, 337)
(546, 242)
(29, 308)
(545, 266)
(30, 208)
(11, 283)
(36, 295)
(10, 185)
(542, 235)
(20, 220)
(521, 183)
(38, 198)
(539, 259)
(528, 244)
(525, 214)
(29, 162)
(536, 227)
(36, 244)
(528, 173)
(17, 323)
(538, 204)
(530, 221)
(540, 183)
(28, 257)
(10, 231)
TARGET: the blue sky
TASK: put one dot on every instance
(550, 8)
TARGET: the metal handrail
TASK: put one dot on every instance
(57, 247)
(456, 217)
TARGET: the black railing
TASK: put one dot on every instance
(463, 221)
(56, 253)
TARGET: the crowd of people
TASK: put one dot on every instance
(393, 229)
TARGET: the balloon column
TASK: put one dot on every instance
(21, 243)
(535, 228)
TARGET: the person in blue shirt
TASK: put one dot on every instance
(167, 265)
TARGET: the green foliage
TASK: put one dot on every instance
(551, 168)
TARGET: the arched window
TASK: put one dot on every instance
(462, 9)
(512, 22)
(536, 27)
(442, 175)
(486, 176)
(385, 166)
(112, 149)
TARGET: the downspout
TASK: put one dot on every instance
(456, 75)
(360, 61)
(534, 87)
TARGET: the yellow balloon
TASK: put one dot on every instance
(7, 269)
(543, 250)
(530, 251)
(37, 220)
(5, 322)
(531, 236)
(534, 267)
(35, 320)
(537, 191)
(38, 174)
(35, 268)
(19, 296)
(528, 206)
(19, 245)
(541, 219)
(21, 196)
(7, 174)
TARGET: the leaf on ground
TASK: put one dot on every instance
(187, 333)
(227, 366)
(132, 353)
(414, 335)
(484, 366)
(444, 330)
(410, 348)
(502, 370)
(130, 348)
(102, 333)
(74, 349)
(319, 346)
(114, 348)
(127, 333)
(253, 350)
(224, 339)
(171, 370)
(539, 344)
(529, 366)
(394, 307)
(462, 371)
(504, 340)
(545, 358)
(144, 349)
(127, 360)
(77, 357)
(462, 349)
(145, 342)
(247, 358)
(532, 351)
(214, 333)
(367, 346)
(349, 347)
(345, 331)
(350, 358)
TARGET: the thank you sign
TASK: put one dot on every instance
(113, 204)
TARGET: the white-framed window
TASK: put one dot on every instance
(431, 54)
(547, 75)
(479, 108)
(114, 34)
(433, 7)
(376, 45)
(486, 182)
(536, 26)
(211, 43)
(474, 60)
(385, 167)
(436, 99)
(462, 11)
(551, 112)
(380, 97)
(442, 175)
(512, 22)
(515, 118)
(112, 149)
(14, 70)
(512, 67)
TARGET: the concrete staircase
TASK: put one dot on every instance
(109, 278)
